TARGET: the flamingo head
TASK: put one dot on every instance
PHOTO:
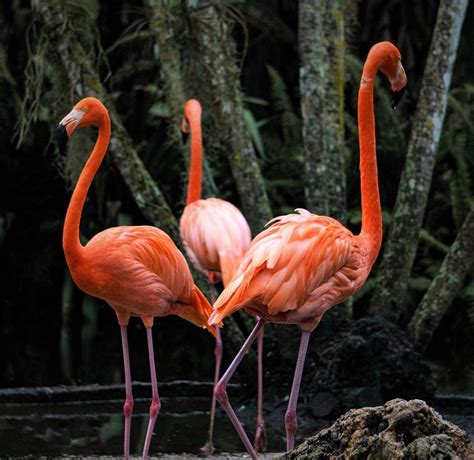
(192, 109)
(390, 64)
(87, 111)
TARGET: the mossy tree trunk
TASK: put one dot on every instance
(216, 51)
(167, 27)
(80, 71)
(447, 283)
(401, 245)
(321, 47)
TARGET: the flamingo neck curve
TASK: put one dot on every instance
(73, 249)
(371, 230)
(195, 168)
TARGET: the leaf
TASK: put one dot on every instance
(160, 110)
(253, 127)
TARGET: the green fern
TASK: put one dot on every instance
(290, 122)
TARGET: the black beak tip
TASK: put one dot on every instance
(396, 97)
(184, 137)
(61, 138)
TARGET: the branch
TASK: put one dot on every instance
(84, 79)
(216, 48)
(400, 248)
(445, 286)
(165, 28)
(321, 47)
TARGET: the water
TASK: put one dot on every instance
(59, 421)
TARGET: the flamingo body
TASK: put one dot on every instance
(295, 270)
(139, 271)
(304, 264)
(216, 236)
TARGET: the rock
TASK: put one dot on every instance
(399, 429)
(323, 404)
(365, 363)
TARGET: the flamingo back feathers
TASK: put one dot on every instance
(140, 270)
(285, 265)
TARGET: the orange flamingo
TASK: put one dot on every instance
(138, 271)
(304, 264)
(215, 235)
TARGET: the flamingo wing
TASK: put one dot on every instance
(144, 272)
(287, 263)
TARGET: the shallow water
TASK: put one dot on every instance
(95, 426)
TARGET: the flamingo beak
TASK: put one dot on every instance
(61, 138)
(66, 127)
(184, 131)
(398, 85)
(396, 97)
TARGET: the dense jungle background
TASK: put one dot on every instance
(278, 82)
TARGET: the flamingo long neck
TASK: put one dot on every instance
(195, 171)
(371, 211)
(73, 248)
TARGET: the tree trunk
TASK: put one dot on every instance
(400, 248)
(215, 47)
(321, 47)
(447, 283)
(84, 80)
(164, 26)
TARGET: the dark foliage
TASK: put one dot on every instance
(36, 323)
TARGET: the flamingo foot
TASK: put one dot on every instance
(208, 448)
(260, 442)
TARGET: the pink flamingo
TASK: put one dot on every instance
(138, 271)
(304, 264)
(215, 235)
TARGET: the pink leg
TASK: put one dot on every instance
(260, 442)
(208, 448)
(128, 405)
(290, 416)
(221, 393)
(155, 401)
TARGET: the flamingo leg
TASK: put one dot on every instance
(208, 448)
(221, 392)
(290, 416)
(155, 401)
(128, 405)
(260, 442)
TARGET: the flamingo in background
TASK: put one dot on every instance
(138, 271)
(304, 264)
(215, 235)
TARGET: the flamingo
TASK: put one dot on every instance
(215, 236)
(303, 264)
(137, 270)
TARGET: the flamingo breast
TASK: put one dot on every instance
(215, 235)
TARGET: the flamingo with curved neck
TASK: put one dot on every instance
(138, 271)
(304, 264)
(215, 235)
